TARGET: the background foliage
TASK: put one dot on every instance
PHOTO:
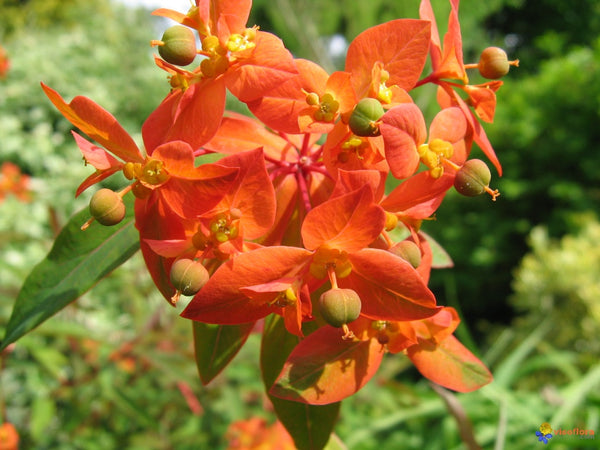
(123, 341)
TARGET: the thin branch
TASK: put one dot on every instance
(465, 428)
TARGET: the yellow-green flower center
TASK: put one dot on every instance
(239, 42)
(327, 106)
(223, 228)
(326, 258)
(433, 155)
(285, 298)
(152, 172)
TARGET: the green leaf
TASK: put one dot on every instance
(216, 345)
(309, 425)
(441, 258)
(77, 260)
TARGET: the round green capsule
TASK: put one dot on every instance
(339, 306)
(364, 117)
(178, 45)
(107, 207)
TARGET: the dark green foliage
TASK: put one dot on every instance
(546, 28)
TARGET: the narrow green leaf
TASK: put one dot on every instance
(77, 260)
(335, 443)
(216, 345)
(507, 370)
(309, 425)
(576, 394)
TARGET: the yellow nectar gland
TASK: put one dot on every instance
(434, 154)
(240, 42)
(327, 106)
(354, 145)
(217, 61)
(383, 330)
(384, 94)
(152, 172)
(179, 81)
(330, 258)
(223, 228)
(285, 298)
(391, 220)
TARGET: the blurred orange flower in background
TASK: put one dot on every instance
(13, 181)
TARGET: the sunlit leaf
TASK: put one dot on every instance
(441, 258)
(97, 123)
(260, 69)
(349, 222)
(450, 364)
(325, 368)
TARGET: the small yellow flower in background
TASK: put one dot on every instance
(546, 428)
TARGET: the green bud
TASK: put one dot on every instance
(339, 306)
(107, 207)
(473, 178)
(188, 276)
(178, 45)
(364, 117)
(408, 251)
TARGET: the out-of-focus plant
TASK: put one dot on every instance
(14, 182)
(559, 281)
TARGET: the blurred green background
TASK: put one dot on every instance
(116, 369)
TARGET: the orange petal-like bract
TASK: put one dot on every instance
(349, 222)
(403, 130)
(98, 124)
(450, 364)
(324, 368)
(222, 300)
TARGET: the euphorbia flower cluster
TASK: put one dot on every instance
(292, 218)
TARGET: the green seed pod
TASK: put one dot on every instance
(364, 117)
(339, 306)
(408, 251)
(473, 178)
(107, 207)
(493, 63)
(178, 45)
(188, 276)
